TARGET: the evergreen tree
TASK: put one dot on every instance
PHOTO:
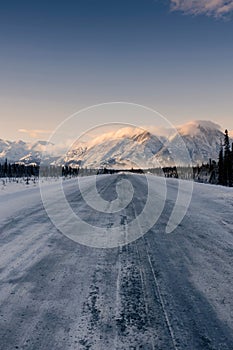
(227, 161)
(5, 168)
(226, 142)
(221, 167)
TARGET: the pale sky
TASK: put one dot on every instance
(58, 57)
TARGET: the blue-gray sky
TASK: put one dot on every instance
(59, 56)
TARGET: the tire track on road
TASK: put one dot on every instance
(161, 300)
(156, 283)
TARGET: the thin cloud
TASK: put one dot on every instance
(215, 8)
(35, 133)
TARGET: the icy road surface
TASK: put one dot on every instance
(163, 291)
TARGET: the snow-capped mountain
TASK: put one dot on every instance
(12, 150)
(127, 147)
(25, 152)
(201, 138)
(138, 148)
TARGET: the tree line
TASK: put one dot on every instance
(19, 170)
(16, 170)
(225, 163)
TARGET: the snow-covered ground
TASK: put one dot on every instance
(162, 291)
(13, 185)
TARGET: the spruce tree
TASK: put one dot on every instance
(227, 161)
(221, 167)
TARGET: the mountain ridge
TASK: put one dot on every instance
(126, 147)
(141, 148)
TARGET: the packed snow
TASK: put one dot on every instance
(162, 291)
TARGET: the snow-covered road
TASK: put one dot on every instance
(162, 291)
